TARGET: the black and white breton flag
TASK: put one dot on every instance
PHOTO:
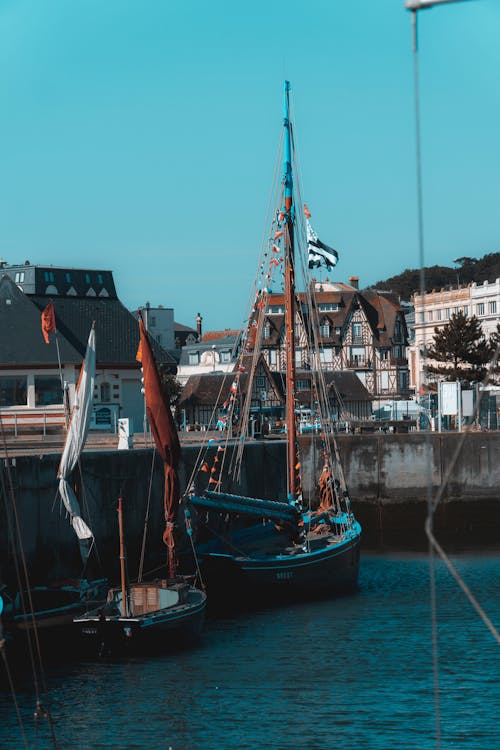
(319, 253)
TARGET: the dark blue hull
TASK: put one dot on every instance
(255, 569)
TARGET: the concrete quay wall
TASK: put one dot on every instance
(388, 478)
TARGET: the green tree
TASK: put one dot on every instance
(170, 386)
(462, 349)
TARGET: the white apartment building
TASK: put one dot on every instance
(434, 310)
(485, 304)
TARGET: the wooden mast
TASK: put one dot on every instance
(292, 457)
(123, 577)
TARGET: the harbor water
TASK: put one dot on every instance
(354, 672)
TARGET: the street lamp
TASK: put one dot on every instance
(414, 6)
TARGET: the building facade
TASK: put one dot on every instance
(434, 310)
(359, 331)
(36, 378)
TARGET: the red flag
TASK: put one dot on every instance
(48, 321)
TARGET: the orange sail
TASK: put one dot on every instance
(48, 321)
(165, 436)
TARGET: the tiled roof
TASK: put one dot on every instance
(21, 340)
(117, 332)
(214, 335)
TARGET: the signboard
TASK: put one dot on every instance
(468, 403)
(104, 417)
(449, 398)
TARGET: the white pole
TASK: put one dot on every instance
(459, 400)
(439, 407)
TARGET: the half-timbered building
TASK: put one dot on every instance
(361, 331)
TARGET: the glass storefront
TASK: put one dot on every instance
(48, 390)
(13, 391)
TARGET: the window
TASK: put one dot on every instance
(19, 277)
(326, 355)
(105, 392)
(357, 355)
(438, 314)
(328, 307)
(68, 278)
(337, 331)
(455, 310)
(466, 310)
(356, 332)
(492, 307)
(13, 391)
(49, 275)
(273, 357)
(260, 381)
(325, 330)
(276, 309)
(303, 385)
(430, 316)
(421, 317)
(298, 357)
(446, 313)
(87, 278)
(99, 279)
(384, 354)
(48, 390)
(194, 358)
(225, 356)
(480, 308)
(267, 331)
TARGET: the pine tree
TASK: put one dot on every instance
(462, 348)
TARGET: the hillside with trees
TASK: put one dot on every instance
(466, 271)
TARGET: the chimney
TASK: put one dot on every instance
(198, 326)
(354, 281)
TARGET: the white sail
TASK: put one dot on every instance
(75, 439)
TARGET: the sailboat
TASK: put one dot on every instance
(51, 608)
(299, 548)
(137, 615)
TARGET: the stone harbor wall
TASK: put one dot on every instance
(388, 476)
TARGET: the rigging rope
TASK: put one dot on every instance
(23, 580)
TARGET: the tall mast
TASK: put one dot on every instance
(292, 456)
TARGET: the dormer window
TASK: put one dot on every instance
(325, 329)
(328, 306)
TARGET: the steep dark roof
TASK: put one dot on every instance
(117, 332)
(206, 388)
(21, 340)
(348, 385)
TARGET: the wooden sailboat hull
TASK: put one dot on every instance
(54, 609)
(329, 566)
(170, 627)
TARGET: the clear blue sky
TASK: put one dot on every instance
(141, 136)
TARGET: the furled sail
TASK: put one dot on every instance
(76, 436)
(165, 436)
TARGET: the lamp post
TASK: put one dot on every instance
(414, 6)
